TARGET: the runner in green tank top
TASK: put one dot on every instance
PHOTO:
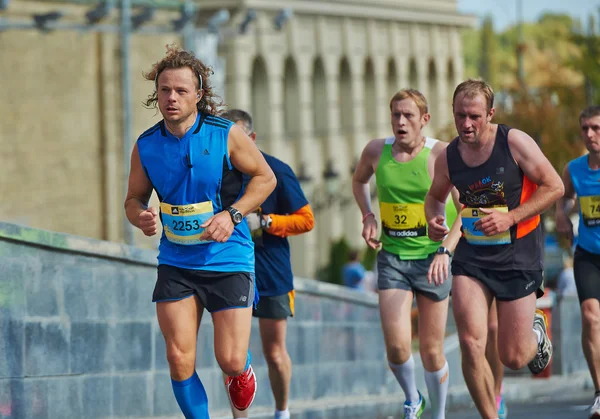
(409, 263)
(404, 227)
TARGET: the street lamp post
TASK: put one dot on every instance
(126, 26)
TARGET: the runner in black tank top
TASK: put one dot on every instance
(498, 183)
(505, 182)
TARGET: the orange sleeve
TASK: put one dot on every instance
(299, 222)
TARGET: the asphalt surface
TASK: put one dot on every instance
(543, 407)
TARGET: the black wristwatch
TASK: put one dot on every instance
(236, 216)
(443, 251)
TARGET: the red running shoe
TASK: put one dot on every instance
(242, 389)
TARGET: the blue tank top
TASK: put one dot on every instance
(587, 187)
(194, 179)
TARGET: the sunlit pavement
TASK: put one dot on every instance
(539, 408)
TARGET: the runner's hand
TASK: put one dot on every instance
(218, 227)
(369, 232)
(495, 222)
(253, 221)
(564, 227)
(437, 230)
(147, 221)
(438, 269)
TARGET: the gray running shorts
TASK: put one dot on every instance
(410, 275)
(275, 307)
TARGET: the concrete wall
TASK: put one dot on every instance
(79, 338)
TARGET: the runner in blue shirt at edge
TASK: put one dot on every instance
(194, 161)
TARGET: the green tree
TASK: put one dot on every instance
(369, 258)
(588, 62)
(338, 256)
(487, 57)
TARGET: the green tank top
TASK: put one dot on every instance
(401, 190)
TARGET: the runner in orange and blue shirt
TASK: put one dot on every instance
(286, 212)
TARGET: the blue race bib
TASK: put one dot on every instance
(473, 236)
(182, 222)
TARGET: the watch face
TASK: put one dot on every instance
(237, 217)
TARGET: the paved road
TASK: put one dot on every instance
(572, 408)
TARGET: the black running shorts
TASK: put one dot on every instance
(586, 267)
(275, 307)
(505, 285)
(215, 290)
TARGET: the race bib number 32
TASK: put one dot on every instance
(403, 220)
(182, 222)
(590, 210)
(474, 236)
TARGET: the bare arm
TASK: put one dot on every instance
(566, 203)
(139, 190)
(363, 173)
(362, 191)
(435, 208)
(435, 201)
(539, 170)
(564, 206)
(453, 236)
(246, 157)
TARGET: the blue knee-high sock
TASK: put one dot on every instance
(191, 397)
(248, 360)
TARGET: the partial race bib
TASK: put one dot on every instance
(473, 236)
(403, 220)
(590, 210)
(182, 222)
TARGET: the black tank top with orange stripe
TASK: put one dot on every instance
(498, 183)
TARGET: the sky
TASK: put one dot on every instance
(504, 12)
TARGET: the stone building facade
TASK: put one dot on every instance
(319, 89)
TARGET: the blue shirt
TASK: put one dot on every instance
(586, 183)
(273, 267)
(190, 170)
(352, 274)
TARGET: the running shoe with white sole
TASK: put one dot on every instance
(594, 411)
(414, 410)
(544, 352)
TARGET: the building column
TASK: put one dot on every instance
(444, 106)
(359, 132)
(304, 247)
(403, 70)
(276, 141)
(381, 96)
(238, 83)
(422, 75)
(456, 52)
(329, 221)
(359, 138)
